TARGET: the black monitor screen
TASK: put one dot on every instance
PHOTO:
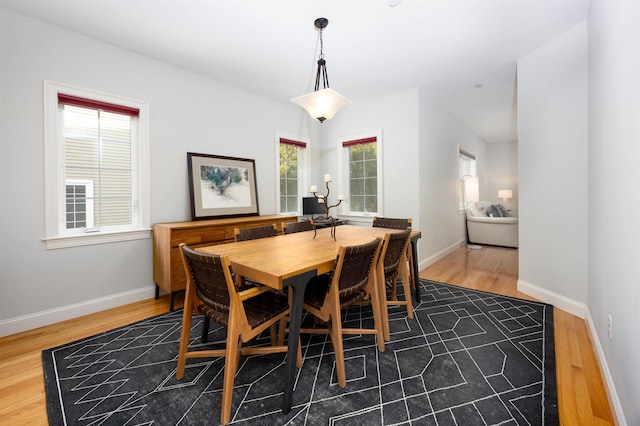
(310, 206)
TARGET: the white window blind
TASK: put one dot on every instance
(98, 147)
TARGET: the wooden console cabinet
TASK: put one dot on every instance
(168, 272)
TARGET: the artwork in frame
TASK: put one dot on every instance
(221, 186)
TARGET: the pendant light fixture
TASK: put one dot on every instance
(322, 104)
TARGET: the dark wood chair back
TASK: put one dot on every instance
(394, 246)
(244, 234)
(391, 222)
(208, 273)
(292, 227)
(398, 223)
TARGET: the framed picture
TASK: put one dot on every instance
(221, 186)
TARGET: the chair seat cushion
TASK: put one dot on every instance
(259, 309)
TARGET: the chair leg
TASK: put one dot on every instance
(205, 329)
(381, 319)
(394, 294)
(335, 332)
(384, 306)
(407, 292)
(273, 332)
(184, 340)
(299, 357)
(230, 368)
(239, 354)
(282, 329)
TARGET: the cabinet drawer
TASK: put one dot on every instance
(198, 236)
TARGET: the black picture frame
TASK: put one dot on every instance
(221, 186)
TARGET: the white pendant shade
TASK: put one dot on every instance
(322, 104)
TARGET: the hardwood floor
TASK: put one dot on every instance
(581, 394)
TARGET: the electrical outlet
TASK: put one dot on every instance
(610, 327)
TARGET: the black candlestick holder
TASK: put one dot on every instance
(327, 217)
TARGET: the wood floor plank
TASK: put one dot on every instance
(579, 382)
(567, 403)
(597, 397)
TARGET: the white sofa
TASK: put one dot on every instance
(487, 224)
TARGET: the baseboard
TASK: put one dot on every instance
(582, 311)
(612, 394)
(439, 255)
(52, 316)
(555, 299)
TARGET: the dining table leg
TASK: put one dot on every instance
(297, 284)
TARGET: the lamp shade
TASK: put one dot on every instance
(505, 193)
(322, 104)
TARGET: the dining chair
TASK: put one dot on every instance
(212, 292)
(292, 227)
(244, 234)
(391, 266)
(351, 281)
(398, 223)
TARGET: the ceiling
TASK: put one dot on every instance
(372, 49)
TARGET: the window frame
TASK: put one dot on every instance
(468, 155)
(303, 167)
(54, 171)
(344, 174)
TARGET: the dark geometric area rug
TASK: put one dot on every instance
(467, 358)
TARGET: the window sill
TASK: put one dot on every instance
(96, 238)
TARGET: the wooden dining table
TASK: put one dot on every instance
(290, 261)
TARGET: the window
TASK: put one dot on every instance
(96, 167)
(466, 167)
(292, 156)
(79, 204)
(363, 168)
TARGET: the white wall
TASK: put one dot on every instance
(614, 231)
(552, 165)
(502, 172)
(188, 113)
(441, 136)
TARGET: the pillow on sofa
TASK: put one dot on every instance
(497, 210)
(503, 210)
(479, 208)
(475, 211)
